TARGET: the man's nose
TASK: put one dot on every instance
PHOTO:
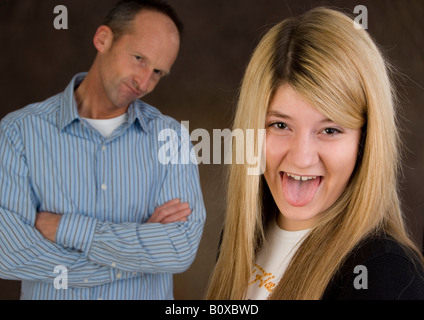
(142, 81)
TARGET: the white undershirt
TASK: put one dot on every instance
(273, 260)
(107, 126)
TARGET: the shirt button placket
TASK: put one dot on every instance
(103, 186)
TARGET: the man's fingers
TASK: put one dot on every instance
(179, 216)
(170, 211)
(46, 223)
(169, 203)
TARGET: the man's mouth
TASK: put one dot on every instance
(299, 190)
(134, 90)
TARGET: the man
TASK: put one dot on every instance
(87, 210)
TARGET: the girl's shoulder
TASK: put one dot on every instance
(378, 268)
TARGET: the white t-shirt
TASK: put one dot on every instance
(273, 260)
(107, 126)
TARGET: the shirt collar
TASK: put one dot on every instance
(135, 114)
(68, 104)
(69, 108)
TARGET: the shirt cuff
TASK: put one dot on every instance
(76, 231)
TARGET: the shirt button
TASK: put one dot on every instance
(104, 148)
(104, 187)
(85, 280)
(119, 275)
(113, 264)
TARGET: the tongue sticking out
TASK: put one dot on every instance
(299, 193)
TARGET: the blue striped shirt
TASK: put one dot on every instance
(106, 188)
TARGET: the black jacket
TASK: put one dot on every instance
(378, 269)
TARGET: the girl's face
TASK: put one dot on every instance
(309, 159)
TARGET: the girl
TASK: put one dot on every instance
(324, 220)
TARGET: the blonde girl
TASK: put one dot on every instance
(320, 87)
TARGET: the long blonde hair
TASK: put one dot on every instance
(339, 69)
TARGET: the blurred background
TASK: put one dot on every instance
(38, 61)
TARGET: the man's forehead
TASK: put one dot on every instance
(150, 20)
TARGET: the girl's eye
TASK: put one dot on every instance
(279, 125)
(331, 131)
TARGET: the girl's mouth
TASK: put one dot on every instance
(299, 191)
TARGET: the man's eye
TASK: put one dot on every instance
(139, 59)
(159, 74)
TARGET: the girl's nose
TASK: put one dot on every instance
(303, 152)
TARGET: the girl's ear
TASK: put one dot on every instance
(103, 38)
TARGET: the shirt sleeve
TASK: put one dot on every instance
(24, 253)
(144, 247)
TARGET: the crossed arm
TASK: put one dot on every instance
(32, 243)
(173, 211)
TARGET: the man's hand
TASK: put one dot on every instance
(47, 224)
(170, 212)
(173, 211)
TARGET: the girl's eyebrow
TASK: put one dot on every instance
(278, 114)
(327, 120)
(287, 117)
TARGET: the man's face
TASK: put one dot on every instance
(132, 66)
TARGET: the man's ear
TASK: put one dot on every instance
(103, 38)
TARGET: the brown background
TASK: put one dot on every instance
(37, 61)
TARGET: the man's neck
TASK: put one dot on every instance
(92, 100)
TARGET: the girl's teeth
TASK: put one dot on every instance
(298, 178)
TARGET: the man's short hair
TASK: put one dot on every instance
(120, 18)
